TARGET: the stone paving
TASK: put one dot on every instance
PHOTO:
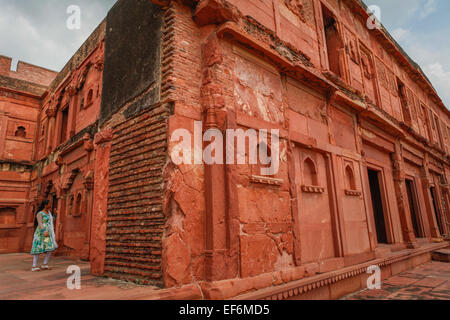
(430, 281)
(18, 282)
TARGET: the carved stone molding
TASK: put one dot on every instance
(266, 180)
(51, 112)
(88, 143)
(59, 161)
(353, 193)
(313, 189)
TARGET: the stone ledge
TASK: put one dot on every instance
(308, 284)
(264, 286)
(442, 255)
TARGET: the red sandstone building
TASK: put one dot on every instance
(364, 149)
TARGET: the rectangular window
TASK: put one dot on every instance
(333, 41)
(404, 102)
(64, 125)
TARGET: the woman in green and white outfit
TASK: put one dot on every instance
(44, 236)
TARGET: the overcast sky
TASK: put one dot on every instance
(35, 31)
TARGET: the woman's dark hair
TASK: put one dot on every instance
(41, 206)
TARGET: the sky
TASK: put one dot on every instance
(35, 31)
(422, 28)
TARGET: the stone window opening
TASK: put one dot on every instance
(350, 182)
(78, 205)
(89, 98)
(350, 178)
(310, 173)
(21, 132)
(333, 41)
(256, 175)
(64, 125)
(71, 201)
(310, 177)
(404, 102)
(82, 104)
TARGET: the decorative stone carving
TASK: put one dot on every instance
(51, 112)
(88, 143)
(353, 193)
(266, 180)
(59, 161)
(297, 7)
(352, 51)
(313, 189)
(103, 136)
(99, 63)
(71, 90)
(366, 66)
(89, 180)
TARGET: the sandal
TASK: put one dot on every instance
(45, 267)
(34, 269)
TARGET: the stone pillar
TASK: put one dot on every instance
(73, 111)
(3, 128)
(97, 251)
(402, 198)
(426, 184)
(51, 115)
(216, 224)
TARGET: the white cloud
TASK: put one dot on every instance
(428, 8)
(36, 32)
(401, 34)
(440, 77)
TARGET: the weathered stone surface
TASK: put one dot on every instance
(363, 153)
(130, 70)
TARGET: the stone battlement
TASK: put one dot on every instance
(26, 71)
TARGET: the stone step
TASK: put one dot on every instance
(442, 255)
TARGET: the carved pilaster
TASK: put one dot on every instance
(219, 263)
(51, 112)
(402, 197)
(426, 184)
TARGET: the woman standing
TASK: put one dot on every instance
(44, 236)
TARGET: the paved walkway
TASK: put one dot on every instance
(430, 281)
(18, 282)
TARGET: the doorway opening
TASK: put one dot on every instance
(436, 210)
(377, 206)
(414, 209)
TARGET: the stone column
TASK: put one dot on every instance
(97, 251)
(215, 191)
(51, 115)
(426, 184)
(402, 197)
(3, 128)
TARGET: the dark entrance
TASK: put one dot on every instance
(377, 205)
(54, 207)
(436, 210)
(414, 210)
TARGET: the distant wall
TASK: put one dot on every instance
(26, 72)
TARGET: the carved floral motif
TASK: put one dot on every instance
(297, 7)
